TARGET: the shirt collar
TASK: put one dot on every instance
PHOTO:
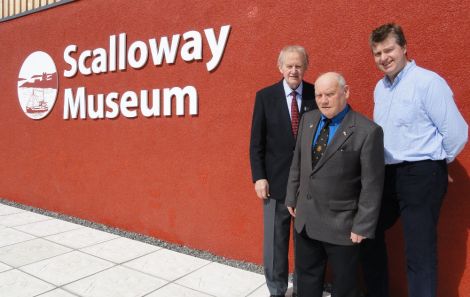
(401, 74)
(339, 117)
(288, 90)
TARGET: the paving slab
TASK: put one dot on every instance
(167, 264)
(116, 282)
(10, 236)
(49, 227)
(81, 238)
(120, 250)
(220, 280)
(30, 251)
(14, 283)
(67, 268)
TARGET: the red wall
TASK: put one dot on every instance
(187, 179)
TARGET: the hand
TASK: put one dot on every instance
(262, 188)
(291, 211)
(356, 238)
(449, 178)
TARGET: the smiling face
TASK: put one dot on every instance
(293, 68)
(330, 96)
(389, 56)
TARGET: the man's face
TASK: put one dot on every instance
(389, 56)
(330, 97)
(293, 69)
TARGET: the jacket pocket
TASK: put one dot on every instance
(339, 205)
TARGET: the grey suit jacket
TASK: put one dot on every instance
(342, 194)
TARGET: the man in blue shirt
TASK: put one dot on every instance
(423, 132)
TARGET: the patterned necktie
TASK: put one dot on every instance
(322, 141)
(294, 110)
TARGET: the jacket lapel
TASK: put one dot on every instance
(308, 102)
(283, 110)
(281, 101)
(343, 132)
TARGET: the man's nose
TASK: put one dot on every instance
(321, 99)
(383, 57)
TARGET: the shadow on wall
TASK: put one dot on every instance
(454, 223)
(453, 234)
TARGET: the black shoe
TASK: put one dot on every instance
(277, 296)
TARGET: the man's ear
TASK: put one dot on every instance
(346, 91)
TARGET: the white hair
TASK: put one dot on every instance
(293, 48)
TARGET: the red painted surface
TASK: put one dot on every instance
(187, 179)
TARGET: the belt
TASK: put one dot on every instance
(406, 163)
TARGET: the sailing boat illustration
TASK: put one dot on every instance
(37, 85)
(36, 92)
(36, 103)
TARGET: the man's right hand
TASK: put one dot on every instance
(262, 188)
(291, 211)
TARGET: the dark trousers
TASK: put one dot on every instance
(277, 226)
(310, 262)
(414, 191)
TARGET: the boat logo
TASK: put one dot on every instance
(37, 85)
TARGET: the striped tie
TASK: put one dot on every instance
(294, 109)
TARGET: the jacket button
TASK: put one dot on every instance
(309, 197)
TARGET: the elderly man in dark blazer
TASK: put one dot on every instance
(334, 189)
(278, 109)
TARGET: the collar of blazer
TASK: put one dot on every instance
(307, 92)
(343, 132)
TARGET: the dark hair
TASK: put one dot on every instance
(381, 33)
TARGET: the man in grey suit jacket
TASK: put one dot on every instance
(334, 189)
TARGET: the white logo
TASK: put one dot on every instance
(37, 85)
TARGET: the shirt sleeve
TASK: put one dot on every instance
(443, 112)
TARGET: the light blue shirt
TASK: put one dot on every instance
(298, 97)
(419, 117)
(335, 122)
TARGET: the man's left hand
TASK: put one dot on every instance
(356, 238)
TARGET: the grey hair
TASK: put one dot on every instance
(339, 78)
(293, 48)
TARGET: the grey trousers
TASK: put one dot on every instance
(277, 224)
